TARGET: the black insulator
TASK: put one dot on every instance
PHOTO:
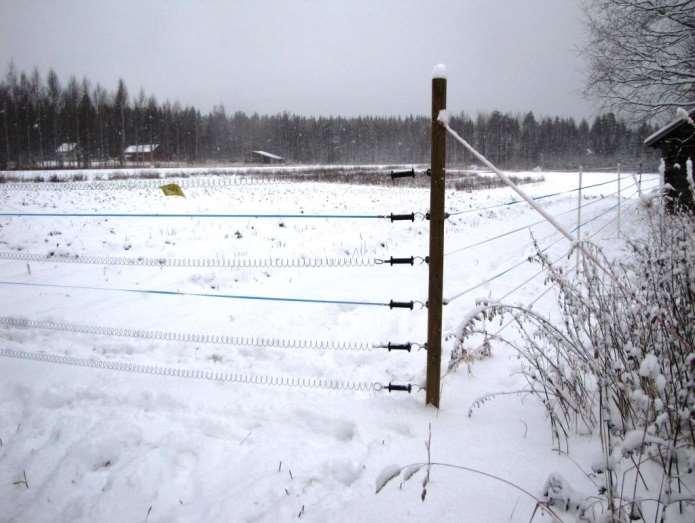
(402, 217)
(402, 261)
(399, 346)
(404, 388)
(401, 304)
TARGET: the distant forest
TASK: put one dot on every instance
(38, 115)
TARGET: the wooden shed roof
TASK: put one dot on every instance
(675, 128)
(141, 148)
(266, 154)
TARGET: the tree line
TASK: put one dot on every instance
(39, 115)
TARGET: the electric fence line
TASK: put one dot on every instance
(200, 374)
(535, 198)
(189, 337)
(411, 305)
(534, 276)
(523, 284)
(521, 229)
(525, 260)
(193, 215)
(193, 182)
(218, 262)
(204, 180)
(548, 289)
(254, 263)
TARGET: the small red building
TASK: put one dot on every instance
(149, 152)
(68, 154)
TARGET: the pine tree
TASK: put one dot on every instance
(119, 115)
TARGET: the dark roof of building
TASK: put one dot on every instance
(676, 125)
(268, 155)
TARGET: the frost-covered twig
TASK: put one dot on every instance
(481, 400)
(22, 481)
(408, 471)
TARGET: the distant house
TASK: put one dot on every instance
(68, 152)
(677, 144)
(265, 157)
(143, 152)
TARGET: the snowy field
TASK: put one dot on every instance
(101, 445)
(165, 172)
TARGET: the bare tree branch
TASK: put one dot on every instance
(641, 55)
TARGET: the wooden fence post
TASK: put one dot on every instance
(620, 199)
(436, 266)
(579, 216)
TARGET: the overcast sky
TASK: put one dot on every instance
(309, 56)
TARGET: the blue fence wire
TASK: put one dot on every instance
(195, 294)
(187, 215)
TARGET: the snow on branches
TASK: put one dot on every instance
(619, 363)
(640, 54)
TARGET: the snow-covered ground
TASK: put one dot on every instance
(102, 445)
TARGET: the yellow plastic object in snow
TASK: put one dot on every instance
(172, 189)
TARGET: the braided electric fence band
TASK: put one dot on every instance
(149, 184)
(227, 263)
(226, 377)
(238, 341)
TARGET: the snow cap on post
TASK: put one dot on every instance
(439, 71)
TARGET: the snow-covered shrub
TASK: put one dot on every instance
(621, 364)
(406, 473)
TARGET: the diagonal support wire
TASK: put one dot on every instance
(527, 226)
(530, 304)
(525, 260)
(535, 198)
(443, 119)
